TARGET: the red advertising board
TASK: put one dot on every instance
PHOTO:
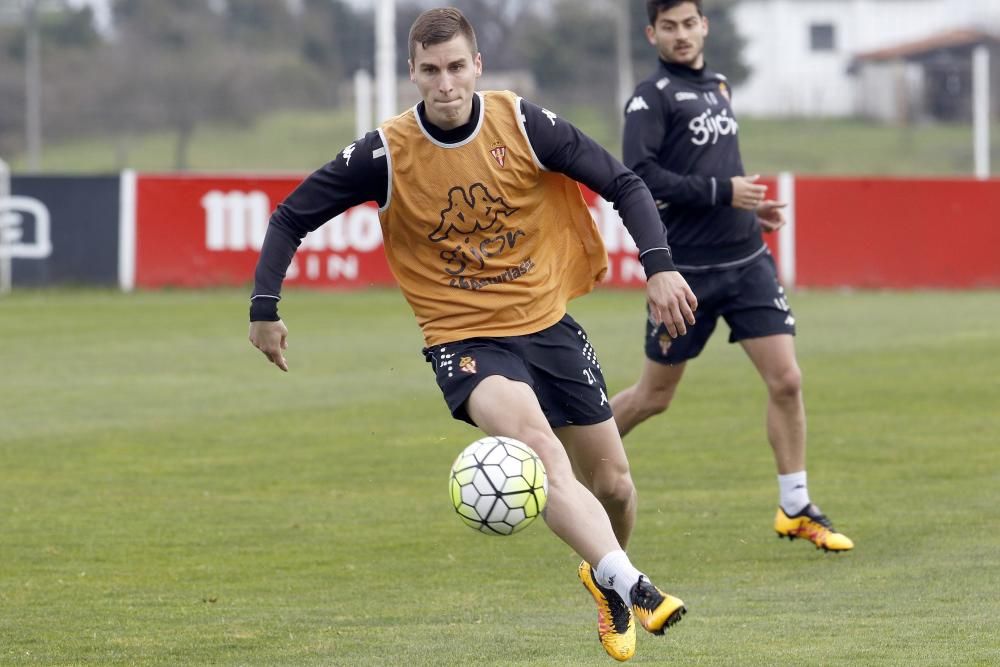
(198, 231)
(897, 233)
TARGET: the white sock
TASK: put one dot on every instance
(794, 492)
(616, 571)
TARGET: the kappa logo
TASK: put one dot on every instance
(781, 301)
(467, 365)
(636, 104)
(470, 213)
(685, 96)
(551, 116)
(347, 153)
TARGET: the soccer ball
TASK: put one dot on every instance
(498, 485)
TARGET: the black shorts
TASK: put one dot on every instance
(558, 363)
(748, 297)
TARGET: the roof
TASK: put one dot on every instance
(942, 41)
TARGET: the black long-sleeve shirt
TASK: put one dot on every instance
(360, 174)
(681, 139)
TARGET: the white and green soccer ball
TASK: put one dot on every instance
(498, 485)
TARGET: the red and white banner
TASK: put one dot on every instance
(199, 231)
(196, 231)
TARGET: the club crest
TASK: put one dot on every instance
(499, 154)
(665, 341)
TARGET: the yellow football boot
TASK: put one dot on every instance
(811, 524)
(655, 609)
(615, 627)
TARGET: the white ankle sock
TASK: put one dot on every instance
(794, 492)
(616, 571)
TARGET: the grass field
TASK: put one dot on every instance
(169, 498)
(300, 141)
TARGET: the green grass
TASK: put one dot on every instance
(842, 146)
(169, 498)
(301, 141)
(297, 141)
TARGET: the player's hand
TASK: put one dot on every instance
(271, 338)
(770, 215)
(747, 193)
(671, 302)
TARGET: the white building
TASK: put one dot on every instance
(801, 51)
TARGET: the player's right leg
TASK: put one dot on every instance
(665, 359)
(650, 396)
(615, 625)
(486, 383)
(500, 406)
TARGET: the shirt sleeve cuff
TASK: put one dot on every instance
(724, 192)
(264, 310)
(656, 261)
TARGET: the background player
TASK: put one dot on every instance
(681, 138)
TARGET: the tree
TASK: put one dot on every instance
(337, 39)
(169, 63)
(495, 24)
(68, 45)
(178, 63)
(569, 51)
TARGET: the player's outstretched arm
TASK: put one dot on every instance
(271, 338)
(671, 301)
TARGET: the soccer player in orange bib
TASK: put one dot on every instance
(488, 236)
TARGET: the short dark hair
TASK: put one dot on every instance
(654, 7)
(436, 26)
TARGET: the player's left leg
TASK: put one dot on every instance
(774, 358)
(761, 320)
(573, 393)
(599, 461)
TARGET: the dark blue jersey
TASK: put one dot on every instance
(681, 138)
